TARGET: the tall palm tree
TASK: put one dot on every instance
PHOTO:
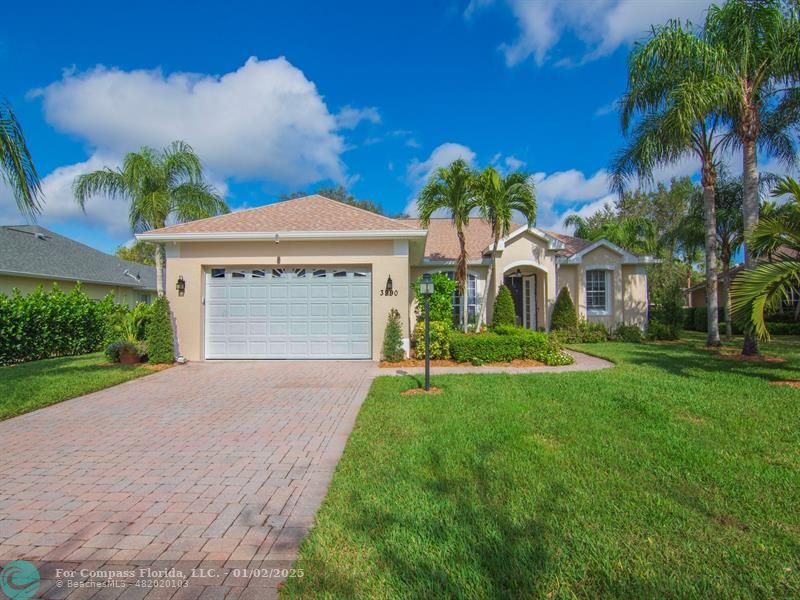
(758, 58)
(498, 198)
(16, 165)
(450, 189)
(160, 186)
(636, 234)
(671, 96)
(760, 289)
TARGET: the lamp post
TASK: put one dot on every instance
(426, 287)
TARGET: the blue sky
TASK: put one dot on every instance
(295, 95)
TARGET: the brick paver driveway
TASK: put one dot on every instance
(216, 465)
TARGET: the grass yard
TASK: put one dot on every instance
(674, 475)
(32, 385)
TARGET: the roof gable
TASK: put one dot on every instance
(313, 213)
(30, 250)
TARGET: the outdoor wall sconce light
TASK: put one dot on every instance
(389, 286)
(181, 285)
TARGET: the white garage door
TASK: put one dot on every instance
(275, 312)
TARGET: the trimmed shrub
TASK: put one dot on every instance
(586, 332)
(115, 348)
(439, 336)
(700, 319)
(160, 337)
(393, 338)
(779, 328)
(504, 313)
(496, 347)
(665, 284)
(49, 324)
(565, 317)
(441, 306)
(628, 333)
(657, 330)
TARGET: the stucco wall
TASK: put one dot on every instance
(634, 278)
(604, 259)
(190, 259)
(26, 285)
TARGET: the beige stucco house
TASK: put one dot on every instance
(315, 278)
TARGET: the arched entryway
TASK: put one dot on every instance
(527, 284)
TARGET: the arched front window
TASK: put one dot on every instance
(472, 300)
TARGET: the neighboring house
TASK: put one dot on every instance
(32, 256)
(315, 278)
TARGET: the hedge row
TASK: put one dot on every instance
(505, 345)
(49, 324)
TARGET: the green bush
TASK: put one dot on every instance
(160, 339)
(688, 317)
(441, 300)
(783, 328)
(700, 319)
(665, 284)
(656, 330)
(393, 338)
(586, 332)
(439, 336)
(49, 324)
(494, 347)
(565, 317)
(628, 333)
(504, 313)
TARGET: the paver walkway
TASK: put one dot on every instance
(216, 465)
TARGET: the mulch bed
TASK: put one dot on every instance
(415, 362)
(418, 391)
(731, 354)
(792, 383)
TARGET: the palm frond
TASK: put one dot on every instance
(16, 165)
(757, 291)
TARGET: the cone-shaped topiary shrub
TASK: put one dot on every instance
(159, 334)
(565, 317)
(504, 313)
(393, 338)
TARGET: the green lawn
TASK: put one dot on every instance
(674, 475)
(32, 385)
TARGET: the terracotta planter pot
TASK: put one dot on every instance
(129, 358)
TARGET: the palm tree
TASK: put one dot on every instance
(498, 198)
(450, 189)
(636, 234)
(160, 186)
(16, 165)
(760, 289)
(758, 59)
(581, 227)
(672, 93)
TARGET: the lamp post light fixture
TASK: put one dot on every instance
(181, 285)
(426, 287)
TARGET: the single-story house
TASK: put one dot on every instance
(314, 278)
(32, 256)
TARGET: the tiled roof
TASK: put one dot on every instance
(442, 241)
(34, 250)
(309, 213)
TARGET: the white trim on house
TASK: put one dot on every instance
(435, 262)
(282, 235)
(552, 243)
(627, 257)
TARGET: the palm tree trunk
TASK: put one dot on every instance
(491, 277)
(688, 286)
(750, 216)
(726, 295)
(160, 269)
(461, 277)
(710, 225)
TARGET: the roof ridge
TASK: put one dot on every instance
(364, 210)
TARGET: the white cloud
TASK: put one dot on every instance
(601, 26)
(265, 120)
(571, 185)
(419, 172)
(350, 117)
(607, 109)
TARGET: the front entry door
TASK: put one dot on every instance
(529, 302)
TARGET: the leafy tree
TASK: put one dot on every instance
(451, 189)
(160, 337)
(159, 186)
(565, 317)
(668, 113)
(140, 252)
(393, 338)
(16, 165)
(340, 194)
(759, 290)
(504, 313)
(498, 198)
(441, 301)
(755, 60)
